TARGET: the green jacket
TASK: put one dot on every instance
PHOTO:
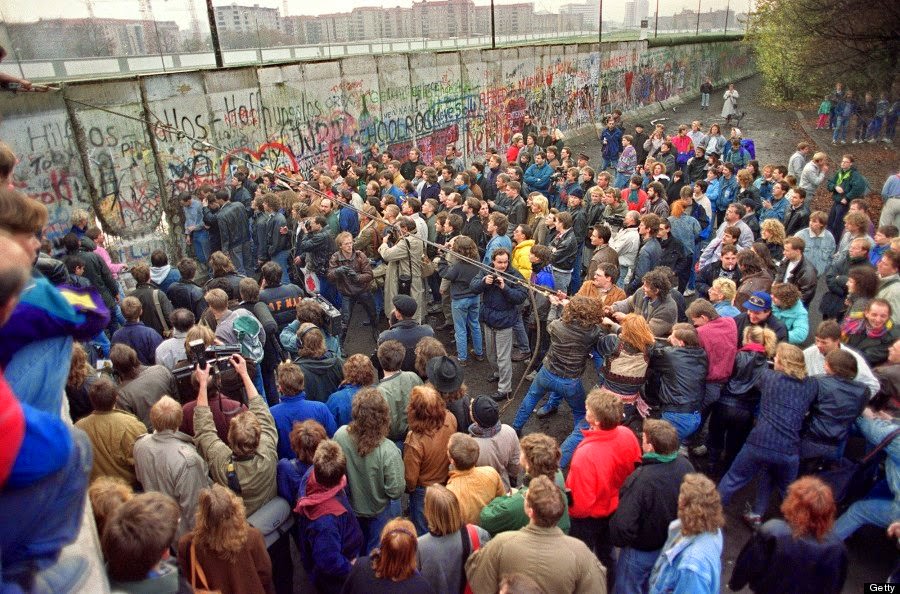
(395, 390)
(374, 479)
(853, 183)
(507, 512)
(257, 474)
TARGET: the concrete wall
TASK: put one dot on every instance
(291, 117)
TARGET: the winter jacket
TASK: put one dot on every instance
(711, 272)
(796, 320)
(784, 402)
(565, 250)
(164, 276)
(612, 143)
(720, 341)
(351, 276)
(647, 259)
(833, 411)
(626, 242)
(760, 281)
(674, 257)
(255, 473)
(775, 561)
(803, 276)
(141, 338)
(330, 539)
(460, 275)
(538, 178)
(113, 434)
(282, 302)
(187, 295)
(696, 168)
(230, 283)
(600, 465)
(795, 220)
(833, 303)
(810, 178)
(520, 259)
(233, 226)
(323, 376)
(149, 295)
(674, 377)
(852, 182)
(772, 323)
(742, 389)
(648, 502)
(296, 409)
(507, 513)
(661, 314)
(425, 459)
(98, 273)
(498, 309)
(570, 346)
(408, 333)
(318, 248)
(775, 211)
(374, 479)
(634, 199)
(873, 348)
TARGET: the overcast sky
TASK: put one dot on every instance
(178, 11)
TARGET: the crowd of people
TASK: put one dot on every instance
(218, 414)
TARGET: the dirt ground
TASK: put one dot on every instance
(775, 134)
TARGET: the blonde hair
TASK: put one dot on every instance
(442, 510)
(763, 336)
(166, 414)
(541, 201)
(699, 505)
(217, 299)
(243, 434)
(107, 494)
(775, 229)
(221, 524)
(791, 359)
(726, 287)
(606, 407)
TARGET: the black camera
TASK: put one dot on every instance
(333, 323)
(200, 355)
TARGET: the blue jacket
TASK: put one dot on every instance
(538, 178)
(500, 241)
(498, 309)
(779, 207)
(613, 144)
(329, 543)
(796, 320)
(784, 402)
(688, 563)
(141, 338)
(348, 220)
(727, 191)
(648, 258)
(294, 409)
(340, 402)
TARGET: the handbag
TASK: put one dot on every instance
(197, 572)
(850, 480)
(404, 281)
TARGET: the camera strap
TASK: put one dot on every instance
(409, 257)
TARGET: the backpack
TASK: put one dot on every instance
(248, 330)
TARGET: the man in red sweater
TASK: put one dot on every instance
(718, 337)
(600, 465)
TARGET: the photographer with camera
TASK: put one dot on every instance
(351, 274)
(404, 260)
(314, 251)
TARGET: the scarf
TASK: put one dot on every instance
(320, 501)
(852, 326)
(477, 430)
(159, 273)
(662, 458)
(633, 196)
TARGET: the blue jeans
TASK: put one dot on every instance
(520, 336)
(623, 274)
(576, 272)
(200, 241)
(876, 511)
(774, 469)
(704, 99)
(282, 259)
(686, 424)
(544, 383)
(621, 180)
(38, 520)
(840, 129)
(465, 324)
(561, 279)
(371, 529)
(102, 342)
(417, 510)
(633, 570)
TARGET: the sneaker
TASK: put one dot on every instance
(67, 575)
(478, 357)
(463, 362)
(519, 356)
(834, 142)
(683, 451)
(843, 142)
(501, 396)
(871, 140)
(700, 450)
(545, 411)
(690, 293)
(530, 377)
(493, 379)
(854, 141)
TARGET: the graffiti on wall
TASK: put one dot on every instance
(323, 113)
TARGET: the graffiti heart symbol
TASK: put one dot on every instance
(271, 155)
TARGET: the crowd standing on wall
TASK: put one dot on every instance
(217, 414)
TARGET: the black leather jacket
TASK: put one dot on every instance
(52, 269)
(676, 377)
(741, 390)
(833, 411)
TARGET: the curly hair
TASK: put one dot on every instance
(582, 311)
(426, 349)
(465, 247)
(699, 505)
(426, 410)
(636, 333)
(371, 420)
(659, 280)
(542, 454)
(809, 508)
(220, 264)
(305, 438)
(786, 294)
(749, 262)
(775, 229)
(79, 368)
(221, 524)
(866, 281)
(359, 371)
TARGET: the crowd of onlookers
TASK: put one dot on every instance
(219, 417)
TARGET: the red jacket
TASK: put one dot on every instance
(641, 199)
(599, 467)
(12, 430)
(719, 339)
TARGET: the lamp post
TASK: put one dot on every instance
(656, 22)
(698, 17)
(727, 10)
(600, 26)
(493, 28)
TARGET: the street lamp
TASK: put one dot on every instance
(727, 10)
(656, 21)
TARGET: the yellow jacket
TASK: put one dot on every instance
(520, 259)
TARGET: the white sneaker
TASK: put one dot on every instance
(843, 142)
(690, 293)
(854, 141)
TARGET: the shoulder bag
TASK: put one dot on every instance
(197, 573)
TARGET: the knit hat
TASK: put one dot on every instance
(444, 373)
(405, 305)
(485, 411)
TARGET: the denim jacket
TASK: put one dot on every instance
(688, 563)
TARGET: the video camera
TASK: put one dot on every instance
(559, 173)
(333, 324)
(200, 355)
